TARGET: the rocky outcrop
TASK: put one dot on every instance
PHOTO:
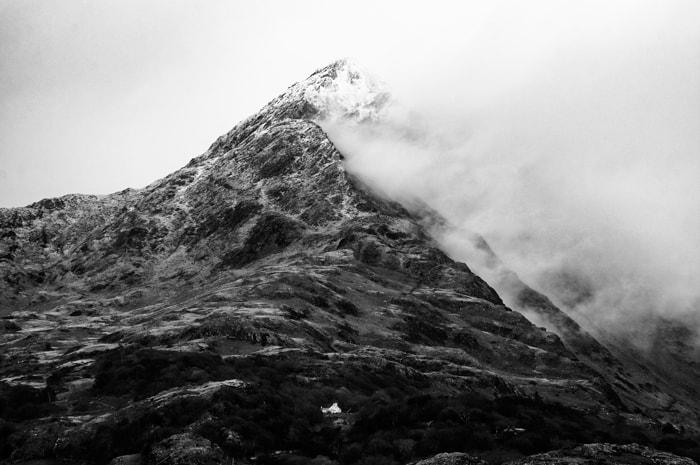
(605, 454)
(185, 449)
(452, 458)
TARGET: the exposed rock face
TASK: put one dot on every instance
(186, 449)
(663, 380)
(452, 458)
(605, 454)
(237, 296)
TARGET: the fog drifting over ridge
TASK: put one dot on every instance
(581, 172)
(566, 133)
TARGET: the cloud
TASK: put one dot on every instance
(570, 143)
(566, 133)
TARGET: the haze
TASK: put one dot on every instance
(576, 155)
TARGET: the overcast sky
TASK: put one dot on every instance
(97, 96)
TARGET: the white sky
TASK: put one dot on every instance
(97, 96)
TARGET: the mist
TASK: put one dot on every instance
(567, 134)
(572, 147)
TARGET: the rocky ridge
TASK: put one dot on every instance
(590, 454)
(233, 298)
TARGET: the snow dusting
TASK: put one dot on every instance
(345, 91)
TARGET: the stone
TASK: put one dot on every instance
(185, 449)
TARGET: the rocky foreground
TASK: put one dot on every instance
(588, 454)
(215, 316)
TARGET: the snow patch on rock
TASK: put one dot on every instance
(343, 90)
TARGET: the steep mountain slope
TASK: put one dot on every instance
(662, 380)
(221, 307)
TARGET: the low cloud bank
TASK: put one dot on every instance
(581, 172)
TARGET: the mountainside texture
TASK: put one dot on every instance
(220, 313)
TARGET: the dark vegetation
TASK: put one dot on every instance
(132, 238)
(144, 372)
(270, 234)
(19, 403)
(285, 196)
(233, 329)
(223, 221)
(389, 414)
(278, 163)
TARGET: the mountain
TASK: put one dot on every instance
(263, 304)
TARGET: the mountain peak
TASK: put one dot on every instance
(343, 90)
(340, 90)
(336, 66)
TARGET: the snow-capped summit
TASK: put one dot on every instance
(341, 90)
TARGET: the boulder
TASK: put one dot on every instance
(186, 449)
